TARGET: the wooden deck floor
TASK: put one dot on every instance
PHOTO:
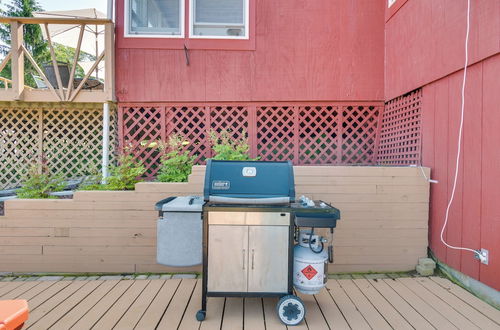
(403, 303)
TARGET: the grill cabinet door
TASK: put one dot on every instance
(227, 258)
(268, 259)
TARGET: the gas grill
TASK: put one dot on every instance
(251, 218)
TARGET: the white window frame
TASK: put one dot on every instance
(247, 24)
(127, 33)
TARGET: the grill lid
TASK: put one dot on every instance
(249, 182)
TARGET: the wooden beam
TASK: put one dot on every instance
(75, 92)
(60, 90)
(40, 72)
(75, 62)
(8, 81)
(16, 29)
(54, 20)
(109, 65)
(5, 61)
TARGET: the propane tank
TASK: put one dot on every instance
(310, 263)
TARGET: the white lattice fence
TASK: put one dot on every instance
(70, 138)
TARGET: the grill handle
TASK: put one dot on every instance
(239, 200)
(253, 257)
(243, 259)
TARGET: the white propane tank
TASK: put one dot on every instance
(309, 268)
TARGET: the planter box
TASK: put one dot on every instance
(383, 226)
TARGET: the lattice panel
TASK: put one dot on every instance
(20, 135)
(192, 123)
(71, 140)
(359, 130)
(319, 135)
(144, 124)
(400, 136)
(306, 134)
(276, 137)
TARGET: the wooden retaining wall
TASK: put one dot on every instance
(383, 227)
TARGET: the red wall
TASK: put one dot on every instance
(300, 50)
(425, 40)
(424, 47)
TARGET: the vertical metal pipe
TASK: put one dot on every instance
(105, 141)
(111, 8)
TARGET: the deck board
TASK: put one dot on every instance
(160, 303)
(331, 311)
(175, 311)
(271, 319)
(214, 314)
(135, 312)
(459, 305)
(19, 290)
(314, 315)
(102, 307)
(427, 311)
(405, 303)
(233, 314)
(52, 303)
(348, 309)
(9, 287)
(115, 313)
(444, 309)
(254, 314)
(371, 315)
(390, 314)
(489, 311)
(416, 320)
(51, 317)
(189, 321)
(68, 320)
(36, 290)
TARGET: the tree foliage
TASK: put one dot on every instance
(33, 41)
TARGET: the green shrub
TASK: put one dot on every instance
(40, 182)
(126, 174)
(176, 163)
(228, 147)
(123, 176)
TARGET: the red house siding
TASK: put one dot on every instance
(424, 47)
(424, 41)
(318, 50)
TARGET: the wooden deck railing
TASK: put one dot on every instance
(15, 88)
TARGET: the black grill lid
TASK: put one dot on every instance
(249, 182)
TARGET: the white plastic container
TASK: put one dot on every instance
(179, 232)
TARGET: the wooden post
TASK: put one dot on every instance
(16, 30)
(60, 87)
(252, 129)
(75, 62)
(109, 64)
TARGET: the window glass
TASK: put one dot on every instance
(155, 17)
(219, 18)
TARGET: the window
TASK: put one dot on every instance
(155, 18)
(227, 19)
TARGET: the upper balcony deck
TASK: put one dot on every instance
(74, 89)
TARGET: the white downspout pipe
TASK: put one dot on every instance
(105, 117)
(105, 141)
(111, 10)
